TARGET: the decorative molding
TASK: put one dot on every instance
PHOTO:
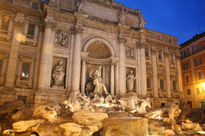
(130, 52)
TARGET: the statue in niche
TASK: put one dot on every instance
(61, 37)
(58, 75)
(130, 81)
(99, 87)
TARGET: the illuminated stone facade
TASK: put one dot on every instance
(193, 70)
(48, 49)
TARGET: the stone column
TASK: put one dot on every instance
(168, 74)
(122, 68)
(179, 73)
(83, 71)
(83, 77)
(143, 72)
(46, 56)
(112, 79)
(103, 73)
(154, 68)
(76, 60)
(13, 57)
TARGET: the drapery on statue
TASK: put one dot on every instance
(130, 81)
(58, 75)
(100, 88)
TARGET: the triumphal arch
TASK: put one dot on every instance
(51, 48)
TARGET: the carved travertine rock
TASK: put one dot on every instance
(71, 129)
(22, 126)
(125, 126)
(88, 118)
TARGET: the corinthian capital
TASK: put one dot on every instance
(49, 22)
(122, 40)
(77, 30)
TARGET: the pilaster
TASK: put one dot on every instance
(13, 58)
(122, 69)
(143, 73)
(179, 73)
(154, 67)
(168, 75)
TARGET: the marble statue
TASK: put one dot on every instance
(130, 81)
(100, 88)
(58, 75)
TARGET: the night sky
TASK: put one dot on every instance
(180, 18)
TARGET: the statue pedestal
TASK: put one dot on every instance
(125, 126)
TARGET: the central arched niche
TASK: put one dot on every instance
(98, 50)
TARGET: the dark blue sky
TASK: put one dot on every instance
(180, 18)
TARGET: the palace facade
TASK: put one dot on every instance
(193, 70)
(50, 48)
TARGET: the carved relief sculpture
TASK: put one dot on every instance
(52, 2)
(58, 75)
(130, 52)
(130, 81)
(61, 38)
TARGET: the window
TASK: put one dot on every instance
(188, 91)
(163, 104)
(146, 52)
(198, 90)
(186, 65)
(196, 48)
(197, 61)
(148, 83)
(31, 31)
(162, 84)
(160, 55)
(199, 75)
(170, 40)
(25, 71)
(5, 22)
(189, 103)
(187, 78)
(172, 58)
(34, 5)
(185, 54)
(174, 85)
(158, 37)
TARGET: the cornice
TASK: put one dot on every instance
(15, 8)
(162, 43)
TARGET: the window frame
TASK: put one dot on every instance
(201, 76)
(7, 24)
(196, 48)
(187, 80)
(4, 58)
(147, 52)
(188, 92)
(25, 83)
